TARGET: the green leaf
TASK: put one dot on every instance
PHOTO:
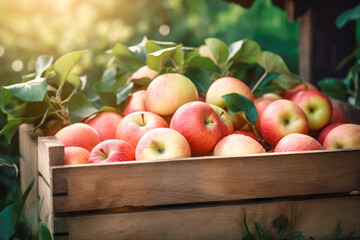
(10, 129)
(218, 49)
(178, 57)
(109, 76)
(287, 81)
(31, 91)
(265, 89)
(239, 103)
(11, 105)
(333, 87)
(139, 50)
(122, 93)
(352, 14)
(44, 232)
(337, 232)
(272, 62)
(65, 64)
(80, 107)
(125, 57)
(156, 60)
(42, 120)
(204, 63)
(42, 64)
(201, 80)
(76, 81)
(154, 46)
(348, 58)
(106, 92)
(244, 51)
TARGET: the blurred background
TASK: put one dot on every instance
(30, 28)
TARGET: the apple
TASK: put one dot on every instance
(223, 86)
(237, 119)
(112, 150)
(78, 135)
(249, 134)
(136, 103)
(228, 127)
(338, 116)
(237, 144)
(268, 96)
(162, 143)
(324, 132)
(288, 94)
(144, 72)
(134, 125)
(260, 106)
(295, 142)
(105, 124)
(75, 155)
(317, 107)
(280, 118)
(168, 92)
(199, 124)
(343, 136)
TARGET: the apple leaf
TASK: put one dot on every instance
(125, 57)
(239, 103)
(106, 92)
(30, 91)
(10, 128)
(139, 50)
(218, 49)
(109, 75)
(42, 120)
(154, 46)
(11, 105)
(76, 81)
(272, 62)
(333, 87)
(287, 81)
(351, 14)
(122, 93)
(156, 60)
(201, 79)
(178, 57)
(65, 64)
(42, 64)
(80, 107)
(245, 51)
(204, 63)
(44, 232)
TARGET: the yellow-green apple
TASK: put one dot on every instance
(162, 143)
(199, 124)
(249, 134)
(112, 150)
(136, 103)
(144, 72)
(296, 142)
(226, 85)
(288, 94)
(280, 118)
(268, 96)
(237, 144)
(338, 116)
(343, 136)
(317, 107)
(237, 119)
(228, 127)
(75, 155)
(78, 135)
(168, 92)
(324, 132)
(105, 124)
(134, 125)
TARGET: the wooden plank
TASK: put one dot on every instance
(50, 153)
(204, 179)
(315, 218)
(45, 202)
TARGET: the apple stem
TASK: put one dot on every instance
(222, 113)
(102, 150)
(259, 81)
(143, 119)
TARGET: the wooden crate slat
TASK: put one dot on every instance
(216, 222)
(45, 202)
(205, 179)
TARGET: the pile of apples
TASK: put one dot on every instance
(170, 120)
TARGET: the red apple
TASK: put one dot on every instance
(317, 107)
(249, 134)
(105, 124)
(324, 132)
(280, 118)
(338, 116)
(343, 136)
(228, 127)
(168, 92)
(144, 72)
(78, 135)
(295, 142)
(199, 124)
(260, 106)
(112, 150)
(136, 103)
(268, 96)
(237, 144)
(162, 143)
(223, 86)
(135, 125)
(75, 155)
(288, 94)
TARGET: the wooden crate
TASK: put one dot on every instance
(193, 198)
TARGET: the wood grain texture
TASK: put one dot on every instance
(206, 179)
(45, 204)
(316, 218)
